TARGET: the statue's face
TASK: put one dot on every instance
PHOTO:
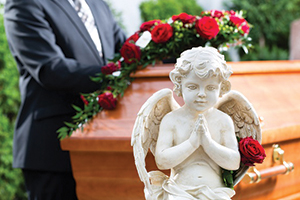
(200, 94)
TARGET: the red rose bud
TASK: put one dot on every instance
(133, 38)
(237, 20)
(130, 52)
(207, 27)
(216, 13)
(147, 26)
(84, 100)
(162, 33)
(107, 101)
(185, 18)
(110, 68)
(251, 151)
(231, 12)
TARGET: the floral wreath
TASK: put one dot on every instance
(158, 40)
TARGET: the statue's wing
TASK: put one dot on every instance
(245, 119)
(146, 127)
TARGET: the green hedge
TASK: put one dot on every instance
(11, 180)
(163, 9)
(271, 21)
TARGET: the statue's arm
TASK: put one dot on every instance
(168, 156)
(226, 154)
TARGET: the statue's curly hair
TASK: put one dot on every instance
(206, 62)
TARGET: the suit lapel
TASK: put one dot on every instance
(72, 14)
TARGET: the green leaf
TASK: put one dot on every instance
(153, 62)
(227, 176)
(78, 115)
(77, 108)
(70, 124)
(62, 132)
(62, 129)
(145, 65)
(62, 135)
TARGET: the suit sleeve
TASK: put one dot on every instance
(33, 44)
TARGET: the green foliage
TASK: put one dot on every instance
(266, 53)
(162, 9)
(227, 176)
(271, 21)
(11, 180)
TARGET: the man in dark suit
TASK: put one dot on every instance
(56, 56)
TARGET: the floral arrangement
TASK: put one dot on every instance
(158, 40)
(251, 152)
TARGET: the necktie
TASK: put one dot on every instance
(85, 14)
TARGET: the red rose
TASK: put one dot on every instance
(216, 13)
(133, 38)
(84, 100)
(130, 52)
(111, 67)
(107, 101)
(185, 18)
(147, 26)
(245, 28)
(162, 33)
(207, 27)
(237, 20)
(251, 151)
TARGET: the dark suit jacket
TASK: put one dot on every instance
(55, 57)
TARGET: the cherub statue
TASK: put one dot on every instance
(198, 140)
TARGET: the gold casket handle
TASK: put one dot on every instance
(254, 176)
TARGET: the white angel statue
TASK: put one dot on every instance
(197, 141)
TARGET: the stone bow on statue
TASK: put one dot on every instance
(198, 141)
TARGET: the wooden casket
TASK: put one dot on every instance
(102, 158)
